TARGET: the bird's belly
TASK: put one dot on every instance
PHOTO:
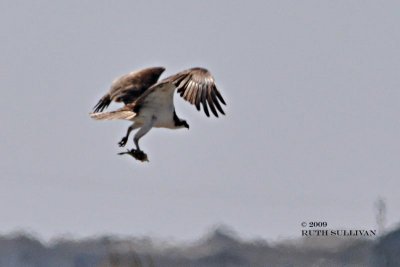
(164, 120)
(163, 116)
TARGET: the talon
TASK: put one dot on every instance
(123, 141)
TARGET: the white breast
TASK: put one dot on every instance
(160, 104)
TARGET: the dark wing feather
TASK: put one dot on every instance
(197, 86)
(129, 87)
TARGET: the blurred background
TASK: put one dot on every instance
(311, 131)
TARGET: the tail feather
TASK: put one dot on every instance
(114, 115)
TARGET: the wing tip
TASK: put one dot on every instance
(103, 103)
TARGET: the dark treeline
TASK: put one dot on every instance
(221, 247)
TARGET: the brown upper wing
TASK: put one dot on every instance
(197, 86)
(129, 87)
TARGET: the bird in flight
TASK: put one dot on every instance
(150, 103)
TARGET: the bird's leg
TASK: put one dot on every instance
(124, 140)
(136, 141)
(137, 153)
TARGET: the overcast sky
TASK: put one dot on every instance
(311, 133)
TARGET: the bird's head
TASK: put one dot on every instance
(181, 124)
(184, 124)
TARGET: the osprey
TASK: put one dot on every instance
(149, 103)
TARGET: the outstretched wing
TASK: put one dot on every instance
(129, 87)
(160, 95)
(197, 86)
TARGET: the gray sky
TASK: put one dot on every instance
(311, 133)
